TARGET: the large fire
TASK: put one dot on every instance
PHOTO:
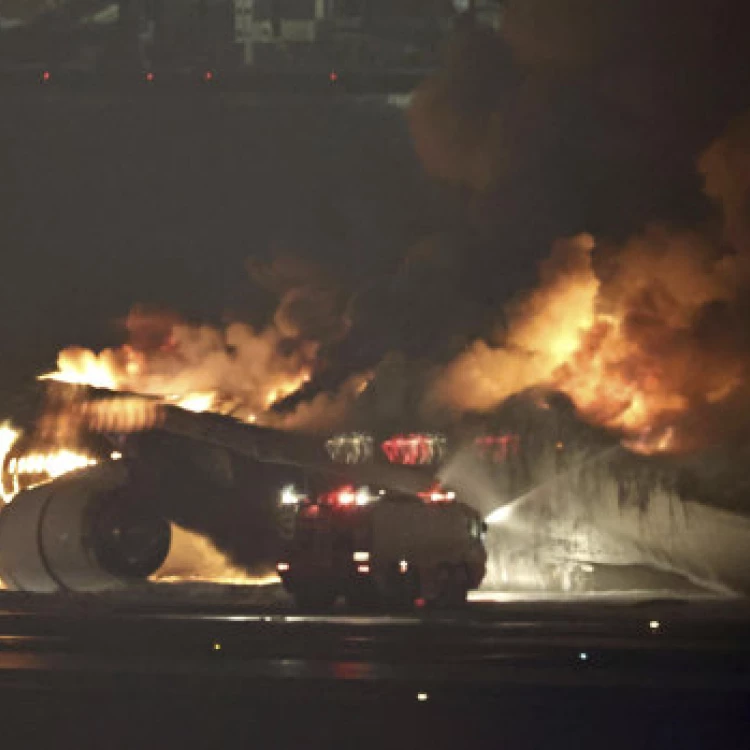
(36, 466)
(238, 370)
(632, 343)
(194, 558)
(197, 368)
(8, 437)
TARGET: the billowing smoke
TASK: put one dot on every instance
(236, 369)
(460, 132)
(325, 412)
(725, 167)
(648, 337)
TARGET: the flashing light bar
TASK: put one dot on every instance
(438, 495)
(348, 497)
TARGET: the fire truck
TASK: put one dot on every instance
(383, 548)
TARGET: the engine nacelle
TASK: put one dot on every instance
(80, 533)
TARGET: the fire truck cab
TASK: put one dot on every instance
(386, 548)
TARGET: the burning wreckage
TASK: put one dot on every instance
(567, 506)
(602, 433)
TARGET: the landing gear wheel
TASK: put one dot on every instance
(362, 596)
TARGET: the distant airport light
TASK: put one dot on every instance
(583, 656)
(333, 76)
(46, 76)
(208, 76)
(654, 625)
(282, 567)
(149, 77)
(364, 568)
(361, 556)
(422, 697)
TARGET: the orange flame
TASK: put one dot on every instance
(127, 414)
(8, 437)
(193, 557)
(200, 369)
(625, 349)
(36, 467)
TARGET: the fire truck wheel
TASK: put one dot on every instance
(401, 588)
(452, 586)
(362, 595)
(315, 598)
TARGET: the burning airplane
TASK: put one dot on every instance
(604, 424)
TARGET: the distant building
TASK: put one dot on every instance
(273, 21)
(360, 33)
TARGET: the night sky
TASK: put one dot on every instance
(107, 200)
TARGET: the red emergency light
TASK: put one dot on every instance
(347, 497)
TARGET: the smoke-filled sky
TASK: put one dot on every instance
(581, 115)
